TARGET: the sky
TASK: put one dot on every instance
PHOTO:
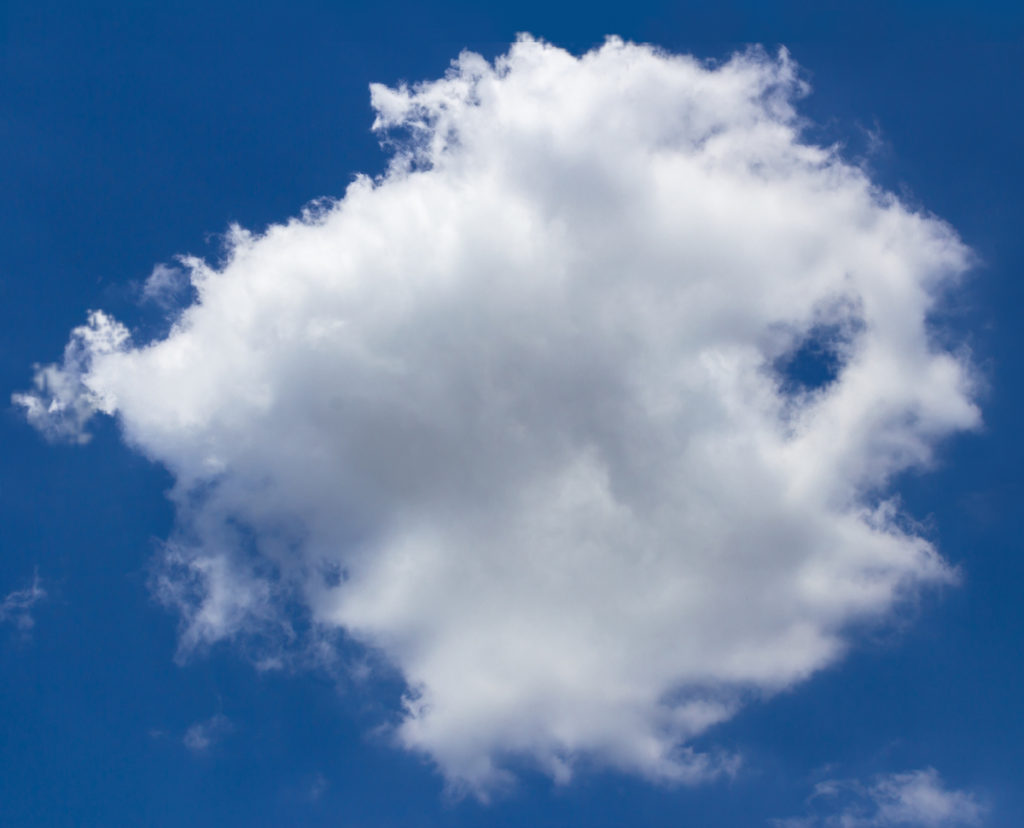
(523, 414)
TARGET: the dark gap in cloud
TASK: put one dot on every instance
(816, 360)
(333, 574)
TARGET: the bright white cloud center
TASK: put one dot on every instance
(532, 415)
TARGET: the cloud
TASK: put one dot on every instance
(583, 416)
(16, 606)
(916, 798)
(201, 736)
(62, 403)
(317, 788)
(165, 285)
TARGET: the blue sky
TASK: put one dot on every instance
(132, 135)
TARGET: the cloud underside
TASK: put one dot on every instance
(530, 416)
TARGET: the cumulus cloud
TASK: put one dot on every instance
(17, 605)
(583, 416)
(916, 798)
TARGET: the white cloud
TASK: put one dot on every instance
(62, 403)
(517, 418)
(165, 285)
(201, 736)
(916, 798)
(17, 605)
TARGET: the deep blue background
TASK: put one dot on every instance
(133, 132)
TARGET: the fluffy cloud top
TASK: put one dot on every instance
(916, 799)
(530, 415)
